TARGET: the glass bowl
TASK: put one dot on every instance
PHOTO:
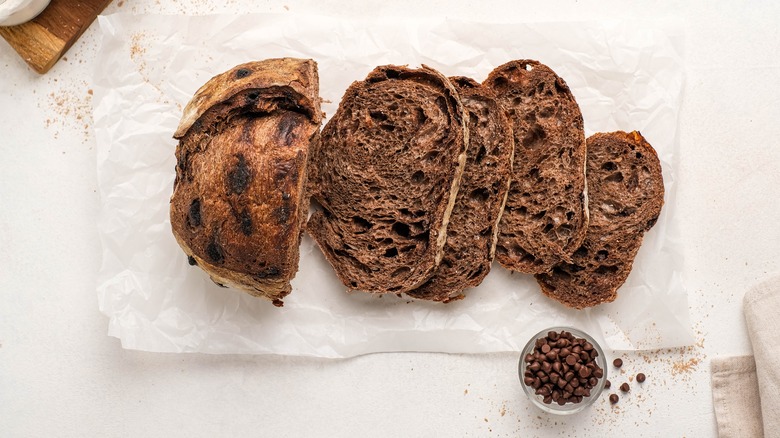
(569, 407)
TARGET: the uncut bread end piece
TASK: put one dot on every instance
(546, 213)
(473, 228)
(384, 177)
(239, 204)
(626, 197)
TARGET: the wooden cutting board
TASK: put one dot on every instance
(42, 41)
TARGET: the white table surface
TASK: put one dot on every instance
(61, 375)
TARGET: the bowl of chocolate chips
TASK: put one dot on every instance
(562, 370)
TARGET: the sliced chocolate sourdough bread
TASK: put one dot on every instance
(546, 213)
(385, 174)
(473, 227)
(626, 195)
(238, 204)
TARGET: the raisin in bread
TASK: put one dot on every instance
(473, 228)
(384, 178)
(238, 204)
(626, 195)
(546, 213)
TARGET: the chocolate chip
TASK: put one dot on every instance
(282, 214)
(191, 260)
(617, 362)
(242, 73)
(268, 272)
(251, 98)
(214, 251)
(245, 222)
(194, 219)
(607, 384)
(561, 368)
(640, 377)
(613, 398)
(624, 387)
(285, 134)
(240, 176)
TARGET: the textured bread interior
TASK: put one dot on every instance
(473, 228)
(384, 177)
(546, 213)
(626, 197)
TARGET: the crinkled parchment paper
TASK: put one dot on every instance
(624, 75)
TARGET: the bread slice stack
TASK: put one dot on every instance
(385, 176)
(473, 229)
(627, 193)
(418, 182)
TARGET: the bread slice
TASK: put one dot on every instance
(626, 196)
(473, 227)
(385, 175)
(238, 204)
(546, 212)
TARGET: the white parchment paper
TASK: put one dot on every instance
(624, 75)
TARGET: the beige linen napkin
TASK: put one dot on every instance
(746, 390)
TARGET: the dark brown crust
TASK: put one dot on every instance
(546, 212)
(626, 196)
(385, 175)
(473, 228)
(238, 204)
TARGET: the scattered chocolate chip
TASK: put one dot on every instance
(640, 377)
(191, 260)
(613, 398)
(624, 387)
(607, 384)
(617, 362)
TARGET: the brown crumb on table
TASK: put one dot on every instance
(137, 49)
(685, 366)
